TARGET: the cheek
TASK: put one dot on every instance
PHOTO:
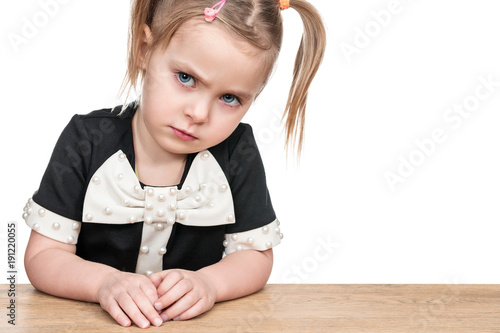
(151, 84)
(158, 99)
(222, 129)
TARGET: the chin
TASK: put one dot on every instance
(182, 149)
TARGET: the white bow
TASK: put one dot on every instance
(115, 196)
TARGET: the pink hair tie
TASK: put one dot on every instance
(211, 13)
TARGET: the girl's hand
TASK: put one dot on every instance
(184, 294)
(128, 296)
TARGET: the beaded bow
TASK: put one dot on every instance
(114, 195)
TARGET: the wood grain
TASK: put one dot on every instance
(288, 308)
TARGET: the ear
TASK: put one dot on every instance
(143, 47)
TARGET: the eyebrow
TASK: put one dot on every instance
(184, 67)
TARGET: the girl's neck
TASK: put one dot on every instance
(154, 165)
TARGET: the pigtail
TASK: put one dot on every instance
(142, 13)
(307, 61)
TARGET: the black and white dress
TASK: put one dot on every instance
(90, 196)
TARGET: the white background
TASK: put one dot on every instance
(343, 223)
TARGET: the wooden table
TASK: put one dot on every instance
(287, 308)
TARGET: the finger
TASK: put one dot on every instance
(181, 306)
(116, 312)
(195, 310)
(131, 309)
(175, 293)
(149, 289)
(157, 278)
(145, 306)
(170, 279)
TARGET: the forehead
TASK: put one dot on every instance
(197, 29)
(217, 52)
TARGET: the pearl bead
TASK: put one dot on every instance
(281, 236)
(149, 206)
(96, 180)
(265, 230)
(188, 189)
(29, 211)
(137, 188)
(144, 249)
(159, 226)
(205, 156)
(239, 248)
(225, 243)
(172, 207)
(203, 186)
(56, 226)
(277, 230)
(162, 251)
(234, 237)
(122, 157)
(41, 212)
(170, 221)
(25, 216)
(197, 198)
(181, 216)
(161, 197)
(172, 191)
(223, 188)
(108, 211)
(125, 202)
(230, 218)
(160, 213)
(148, 273)
(250, 240)
(75, 225)
(30, 201)
(150, 192)
(269, 245)
(278, 223)
(120, 176)
(148, 220)
(212, 205)
(36, 227)
(89, 217)
(70, 239)
(131, 219)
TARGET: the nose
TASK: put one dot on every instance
(198, 111)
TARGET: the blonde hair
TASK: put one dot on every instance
(258, 22)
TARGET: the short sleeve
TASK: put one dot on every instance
(256, 224)
(50, 224)
(56, 208)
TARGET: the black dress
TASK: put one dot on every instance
(91, 197)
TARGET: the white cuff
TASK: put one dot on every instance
(51, 224)
(259, 239)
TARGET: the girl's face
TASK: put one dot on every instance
(198, 89)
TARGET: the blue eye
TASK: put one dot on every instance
(230, 99)
(185, 79)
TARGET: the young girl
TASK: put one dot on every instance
(159, 209)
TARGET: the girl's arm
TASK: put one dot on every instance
(54, 268)
(187, 294)
(240, 273)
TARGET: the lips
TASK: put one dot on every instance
(183, 135)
